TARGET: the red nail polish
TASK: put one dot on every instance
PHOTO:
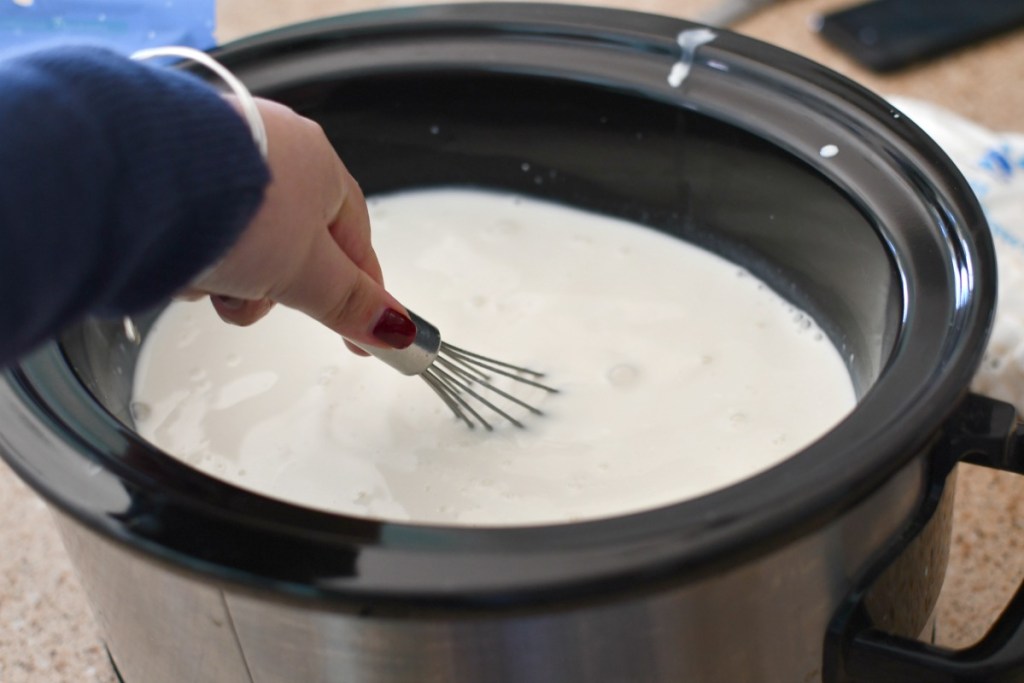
(395, 329)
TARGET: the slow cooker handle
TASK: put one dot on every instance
(984, 432)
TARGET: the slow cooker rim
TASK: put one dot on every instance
(753, 537)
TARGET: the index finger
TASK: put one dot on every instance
(351, 230)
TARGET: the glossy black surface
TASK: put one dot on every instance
(859, 650)
(883, 242)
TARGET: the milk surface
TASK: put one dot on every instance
(679, 373)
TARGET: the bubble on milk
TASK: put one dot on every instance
(188, 337)
(326, 375)
(504, 227)
(140, 411)
(739, 419)
(623, 375)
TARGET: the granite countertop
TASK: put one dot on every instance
(46, 632)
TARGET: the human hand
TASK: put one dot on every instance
(308, 246)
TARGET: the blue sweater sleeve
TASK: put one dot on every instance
(119, 182)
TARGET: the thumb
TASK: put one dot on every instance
(241, 312)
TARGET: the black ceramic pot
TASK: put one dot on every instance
(821, 568)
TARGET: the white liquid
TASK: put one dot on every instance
(679, 373)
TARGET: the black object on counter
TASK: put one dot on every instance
(885, 35)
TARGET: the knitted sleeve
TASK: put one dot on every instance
(119, 182)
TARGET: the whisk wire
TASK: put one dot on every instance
(449, 400)
(458, 351)
(475, 360)
(460, 377)
(463, 369)
(457, 385)
(490, 387)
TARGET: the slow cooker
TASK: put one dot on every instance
(823, 568)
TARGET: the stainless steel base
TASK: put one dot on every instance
(761, 622)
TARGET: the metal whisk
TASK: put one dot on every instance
(458, 376)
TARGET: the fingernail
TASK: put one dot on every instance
(395, 329)
(229, 302)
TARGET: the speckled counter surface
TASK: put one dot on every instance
(46, 632)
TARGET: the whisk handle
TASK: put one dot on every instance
(416, 357)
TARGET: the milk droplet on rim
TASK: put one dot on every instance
(688, 42)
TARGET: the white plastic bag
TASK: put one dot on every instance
(993, 164)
